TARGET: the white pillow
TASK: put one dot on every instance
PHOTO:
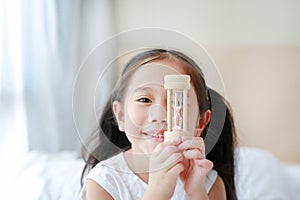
(259, 175)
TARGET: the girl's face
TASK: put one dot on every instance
(142, 115)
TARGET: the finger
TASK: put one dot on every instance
(172, 160)
(176, 170)
(192, 142)
(176, 141)
(194, 154)
(184, 138)
(166, 164)
(205, 164)
(167, 152)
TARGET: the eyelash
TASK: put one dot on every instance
(144, 100)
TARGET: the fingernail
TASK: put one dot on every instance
(181, 146)
(176, 140)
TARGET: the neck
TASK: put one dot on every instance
(138, 164)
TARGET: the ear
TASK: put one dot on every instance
(119, 114)
(203, 121)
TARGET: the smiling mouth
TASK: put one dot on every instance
(158, 134)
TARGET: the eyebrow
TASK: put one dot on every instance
(143, 88)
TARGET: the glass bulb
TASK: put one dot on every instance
(177, 105)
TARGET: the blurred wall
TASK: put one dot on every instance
(262, 85)
(256, 45)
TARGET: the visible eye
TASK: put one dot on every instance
(144, 100)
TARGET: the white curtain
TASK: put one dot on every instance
(42, 46)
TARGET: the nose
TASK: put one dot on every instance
(157, 113)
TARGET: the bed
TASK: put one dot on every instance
(43, 176)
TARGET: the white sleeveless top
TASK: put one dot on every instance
(120, 182)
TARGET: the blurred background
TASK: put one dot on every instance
(255, 44)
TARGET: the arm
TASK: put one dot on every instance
(165, 167)
(217, 191)
(95, 191)
(196, 169)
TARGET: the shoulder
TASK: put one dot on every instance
(110, 165)
(94, 191)
(211, 177)
(117, 161)
(109, 172)
(104, 179)
(218, 190)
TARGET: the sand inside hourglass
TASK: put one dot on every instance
(177, 110)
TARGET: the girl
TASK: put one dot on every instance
(130, 159)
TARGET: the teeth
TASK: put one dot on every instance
(154, 135)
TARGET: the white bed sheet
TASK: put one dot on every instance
(43, 176)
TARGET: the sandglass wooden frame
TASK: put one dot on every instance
(177, 82)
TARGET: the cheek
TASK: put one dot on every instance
(193, 118)
(136, 116)
(193, 112)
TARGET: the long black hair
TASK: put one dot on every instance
(108, 140)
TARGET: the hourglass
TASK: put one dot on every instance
(177, 87)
